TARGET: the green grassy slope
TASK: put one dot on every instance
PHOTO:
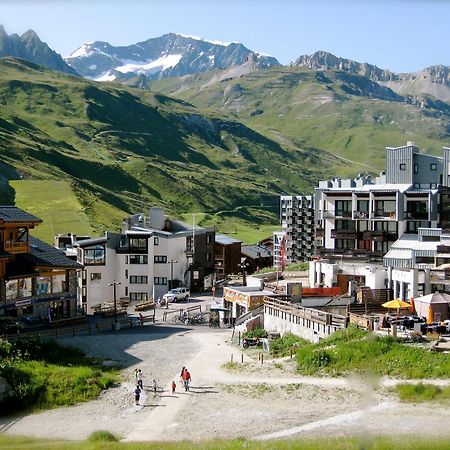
(55, 203)
(349, 116)
(124, 149)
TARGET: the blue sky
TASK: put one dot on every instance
(400, 35)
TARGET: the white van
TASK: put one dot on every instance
(174, 295)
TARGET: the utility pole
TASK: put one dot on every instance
(171, 262)
(114, 284)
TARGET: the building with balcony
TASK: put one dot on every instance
(297, 222)
(36, 278)
(151, 255)
(358, 220)
(227, 254)
(418, 264)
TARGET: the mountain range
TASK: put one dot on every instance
(170, 55)
(30, 47)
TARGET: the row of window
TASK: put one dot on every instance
(433, 166)
(134, 279)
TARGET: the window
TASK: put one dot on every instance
(94, 255)
(96, 276)
(208, 256)
(432, 185)
(126, 291)
(343, 208)
(416, 168)
(141, 296)
(156, 241)
(344, 244)
(402, 166)
(126, 259)
(433, 166)
(424, 260)
(209, 239)
(59, 283)
(138, 243)
(138, 259)
(138, 279)
(160, 280)
(43, 285)
(160, 259)
(126, 273)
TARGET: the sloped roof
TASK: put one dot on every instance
(12, 214)
(252, 251)
(45, 255)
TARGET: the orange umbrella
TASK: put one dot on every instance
(430, 317)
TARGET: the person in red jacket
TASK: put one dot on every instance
(186, 379)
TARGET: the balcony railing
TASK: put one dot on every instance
(16, 247)
(416, 215)
(343, 234)
(385, 214)
(361, 215)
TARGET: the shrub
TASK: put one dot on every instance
(311, 360)
(279, 345)
(258, 332)
(102, 436)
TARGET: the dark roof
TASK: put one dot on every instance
(12, 214)
(45, 255)
(89, 242)
(252, 251)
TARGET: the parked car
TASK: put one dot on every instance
(177, 294)
(10, 326)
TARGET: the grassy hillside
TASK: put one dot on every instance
(123, 149)
(56, 204)
(348, 116)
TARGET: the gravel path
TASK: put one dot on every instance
(257, 401)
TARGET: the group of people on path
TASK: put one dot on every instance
(185, 378)
(140, 387)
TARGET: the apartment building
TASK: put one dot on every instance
(227, 253)
(151, 255)
(297, 222)
(36, 278)
(358, 220)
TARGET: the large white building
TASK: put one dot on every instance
(151, 255)
(359, 220)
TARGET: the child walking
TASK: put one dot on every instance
(174, 386)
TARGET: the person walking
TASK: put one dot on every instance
(174, 386)
(139, 378)
(135, 375)
(186, 379)
(137, 395)
(154, 386)
(141, 319)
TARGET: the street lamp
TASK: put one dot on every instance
(114, 284)
(171, 262)
(243, 266)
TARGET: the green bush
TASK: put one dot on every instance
(282, 344)
(102, 436)
(258, 332)
(310, 360)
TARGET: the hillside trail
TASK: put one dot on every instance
(207, 372)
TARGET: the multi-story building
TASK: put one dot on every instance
(150, 256)
(297, 221)
(358, 220)
(227, 253)
(36, 278)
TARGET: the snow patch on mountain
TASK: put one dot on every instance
(147, 67)
(198, 38)
(84, 50)
(105, 76)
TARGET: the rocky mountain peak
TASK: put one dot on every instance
(170, 55)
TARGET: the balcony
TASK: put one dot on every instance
(331, 214)
(385, 214)
(343, 234)
(364, 255)
(16, 247)
(416, 215)
(379, 236)
(135, 250)
(361, 215)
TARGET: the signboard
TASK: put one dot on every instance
(23, 302)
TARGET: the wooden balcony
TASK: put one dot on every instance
(16, 247)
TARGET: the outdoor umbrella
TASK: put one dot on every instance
(396, 304)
